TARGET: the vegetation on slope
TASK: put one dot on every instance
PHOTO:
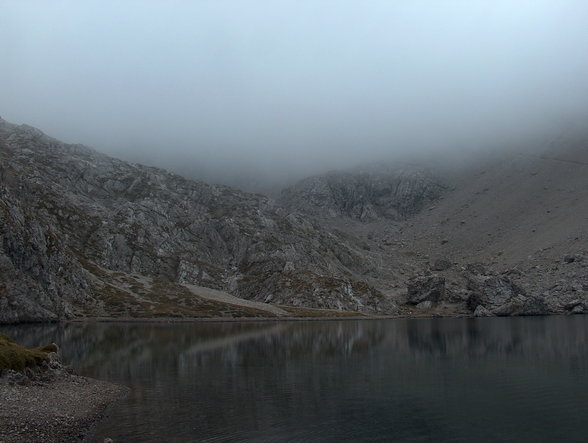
(16, 357)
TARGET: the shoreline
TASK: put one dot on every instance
(265, 319)
(64, 409)
(250, 319)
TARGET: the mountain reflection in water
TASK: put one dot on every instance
(494, 379)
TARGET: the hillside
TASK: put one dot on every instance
(366, 194)
(507, 232)
(86, 235)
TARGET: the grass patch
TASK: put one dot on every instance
(16, 357)
(310, 312)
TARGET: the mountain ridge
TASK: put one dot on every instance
(86, 235)
(140, 220)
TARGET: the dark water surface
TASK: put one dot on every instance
(446, 380)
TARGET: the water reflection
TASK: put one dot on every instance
(407, 380)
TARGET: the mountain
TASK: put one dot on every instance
(373, 193)
(506, 233)
(86, 235)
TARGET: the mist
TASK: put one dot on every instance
(253, 92)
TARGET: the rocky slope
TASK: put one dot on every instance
(85, 234)
(372, 193)
(525, 217)
(508, 235)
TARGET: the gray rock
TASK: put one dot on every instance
(507, 309)
(368, 194)
(476, 269)
(481, 311)
(535, 306)
(426, 288)
(572, 304)
(441, 265)
(425, 305)
(494, 292)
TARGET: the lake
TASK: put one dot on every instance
(442, 380)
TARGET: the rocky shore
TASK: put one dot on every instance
(48, 403)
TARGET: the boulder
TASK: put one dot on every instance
(425, 288)
(494, 292)
(481, 311)
(428, 304)
(535, 306)
(507, 309)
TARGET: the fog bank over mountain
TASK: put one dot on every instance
(260, 92)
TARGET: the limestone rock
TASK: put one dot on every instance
(425, 288)
(367, 194)
(492, 292)
(69, 216)
(481, 311)
(535, 306)
(441, 265)
(428, 304)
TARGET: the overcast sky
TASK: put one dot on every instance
(285, 85)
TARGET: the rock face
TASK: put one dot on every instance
(500, 296)
(364, 195)
(426, 288)
(68, 214)
(493, 292)
(481, 311)
(84, 234)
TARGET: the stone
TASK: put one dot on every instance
(425, 305)
(441, 265)
(535, 306)
(494, 292)
(431, 288)
(507, 309)
(477, 269)
(572, 304)
(366, 195)
(481, 311)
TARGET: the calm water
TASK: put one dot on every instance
(497, 379)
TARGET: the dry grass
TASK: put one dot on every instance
(310, 312)
(16, 357)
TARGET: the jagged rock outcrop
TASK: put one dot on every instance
(84, 234)
(493, 292)
(69, 213)
(499, 295)
(391, 193)
(425, 288)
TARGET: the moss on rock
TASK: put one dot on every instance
(16, 357)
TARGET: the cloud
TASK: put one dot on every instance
(292, 85)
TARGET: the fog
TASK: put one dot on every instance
(248, 92)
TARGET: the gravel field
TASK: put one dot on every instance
(62, 409)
